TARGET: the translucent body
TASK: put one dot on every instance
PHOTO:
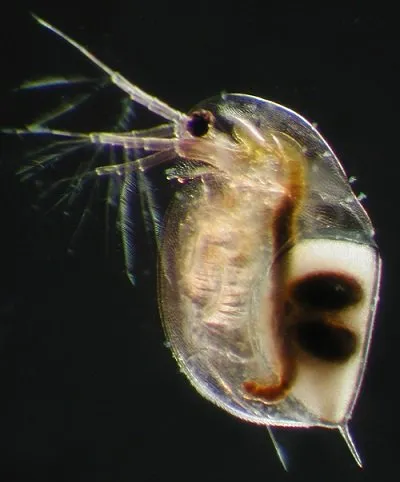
(268, 270)
(230, 252)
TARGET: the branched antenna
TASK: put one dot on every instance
(151, 103)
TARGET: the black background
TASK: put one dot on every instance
(88, 390)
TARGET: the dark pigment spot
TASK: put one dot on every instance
(327, 291)
(328, 342)
(199, 123)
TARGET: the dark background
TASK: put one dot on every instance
(88, 391)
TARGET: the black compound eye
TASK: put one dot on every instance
(200, 122)
(327, 291)
(327, 342)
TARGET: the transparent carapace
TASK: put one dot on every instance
(268, 272)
